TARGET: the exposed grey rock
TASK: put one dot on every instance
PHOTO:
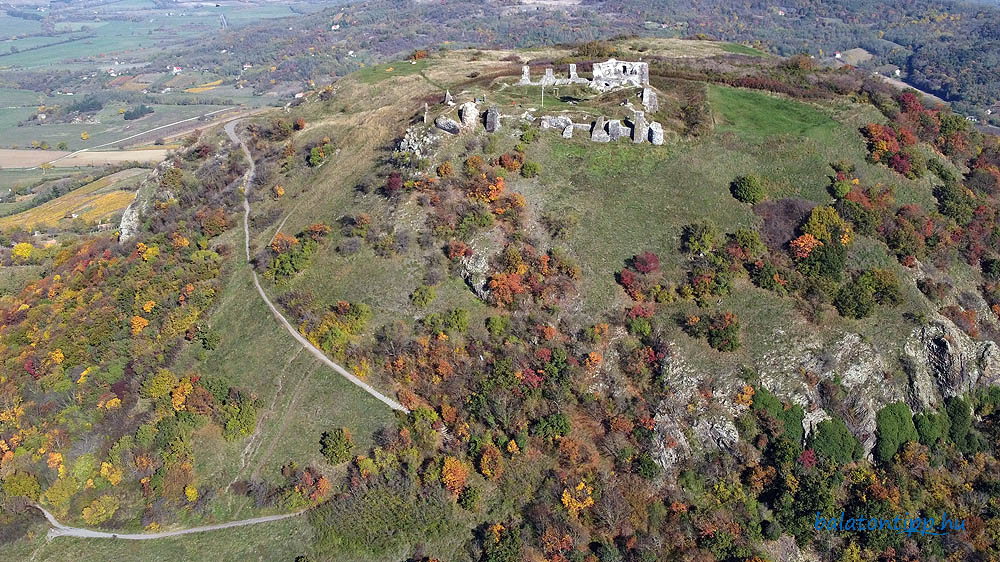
(474, 271)
(599, 133)
(640, 130)
(615, 129)
(649, 100)
(568, 132)
(812, 418)
(615, 74)
(447, 125)
(945, 362)
(469, 114)
(669, 445)
(555, 122)
(572, 72)
(447, 98)
(492, 120)
(787, 550)
(720, 432)
(129, 225)
(656, 133)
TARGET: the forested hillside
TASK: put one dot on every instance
(607, 351)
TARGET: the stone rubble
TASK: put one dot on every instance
(419, 141)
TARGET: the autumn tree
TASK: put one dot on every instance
(453, 475)
(282, 243)
(491, 462)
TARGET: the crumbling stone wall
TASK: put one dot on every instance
(615, 74)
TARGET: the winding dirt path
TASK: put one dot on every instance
(60, 530)
(247, 179)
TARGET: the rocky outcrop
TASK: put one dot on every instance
(492, 120)
(474, 271)
(568, 132)
(943, 362)
(447, 98)
(129, 225)
(719, 432)
(447, 125)
(670, 444)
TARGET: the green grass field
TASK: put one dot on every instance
(378, 73)
(739, 49)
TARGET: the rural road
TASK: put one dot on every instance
(230, 128)
(60, 530)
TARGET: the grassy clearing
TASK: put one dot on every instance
(632, 198)
(755, 115)
(739, 49)
(378, 73)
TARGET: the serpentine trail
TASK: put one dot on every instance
(247, 179)
(60, 530)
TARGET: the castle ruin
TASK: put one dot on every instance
(609, 75)
(615, 74)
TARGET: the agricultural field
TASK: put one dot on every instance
(107, 126)
(93, 203)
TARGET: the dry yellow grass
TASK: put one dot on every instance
(93, 202)
(207, 86)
